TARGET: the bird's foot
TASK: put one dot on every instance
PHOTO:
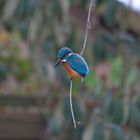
(76, 124)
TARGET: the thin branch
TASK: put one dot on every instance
(71, 107)
(88, 26)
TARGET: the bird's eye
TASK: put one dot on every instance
(64, 56)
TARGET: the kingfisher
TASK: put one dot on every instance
(73, 63)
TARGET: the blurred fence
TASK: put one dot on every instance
(20, 118)
(21, 126)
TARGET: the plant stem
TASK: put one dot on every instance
(88, 26)
(71, 106)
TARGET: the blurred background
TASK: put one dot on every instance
(34, 97)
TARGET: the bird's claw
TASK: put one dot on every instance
(76, 124)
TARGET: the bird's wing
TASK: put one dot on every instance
(78, 64)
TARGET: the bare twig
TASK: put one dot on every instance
(88, 26)
(71, 107)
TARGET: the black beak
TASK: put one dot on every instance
(58, 61)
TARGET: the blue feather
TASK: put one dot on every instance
(63, 51)
(78, 64)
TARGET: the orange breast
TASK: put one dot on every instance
(73, 74)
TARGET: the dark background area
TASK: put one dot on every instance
(34, 97)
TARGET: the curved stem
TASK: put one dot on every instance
(71, 106)
(88, 26)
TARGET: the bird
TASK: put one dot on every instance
(76, 67)
(73, 63)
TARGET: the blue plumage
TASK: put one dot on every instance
(74, 62)
(78, 64)
(62, 52)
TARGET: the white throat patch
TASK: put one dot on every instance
(63, 61)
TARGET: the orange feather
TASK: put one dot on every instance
(73, 74)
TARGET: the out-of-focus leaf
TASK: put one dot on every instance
(111, 12)
(22, 69)
(131, 42)
(107, 104)
(100, 49)
(2, 2)
(26, 8)
(98, 133)
(138, 102)
(55, 122)
(9, 24)
(134, 116)
(117, 133)
(57, 10)
(109, 38)
(117, 111)
(24, 29)
(115, 74)
(72, 2)
(71, 40)
(132, 77)
(84, 3)
(99, 2)
(91, 79)
(3, 72)
(48, 47)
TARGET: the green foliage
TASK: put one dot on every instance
(90, 81)
(98, 133)
(3, 72)
(101, 51)
(132, 77)
(117, 133)
(23, 28)
(134, 116)
(116, 71)
(99, 2)
(116, 111)
(21, 69)
(26, 8)
(2, 2)
(57, 10)
(15, 64)
(107, 104)
(111, 12)
(44, 28)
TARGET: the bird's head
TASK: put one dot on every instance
(62, 53)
